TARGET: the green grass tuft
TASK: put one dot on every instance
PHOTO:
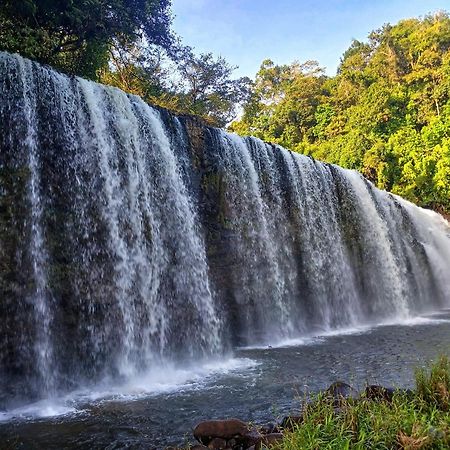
(418, 419)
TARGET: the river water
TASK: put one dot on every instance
(255, 384)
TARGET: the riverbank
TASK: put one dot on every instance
(341, 418)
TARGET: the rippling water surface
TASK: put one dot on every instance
(255, 384)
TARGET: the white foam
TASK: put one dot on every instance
(360, 329)
(39, 410)
(419, 320)
(165, 379)
(170, 378)
(288, 342)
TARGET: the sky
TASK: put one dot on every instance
(245, 32)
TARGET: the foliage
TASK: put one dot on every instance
(206, 88)
(282, 106)
(386, 113)
(433, 386)
(413, 420)
(76, 36)
(125, 43)
(179, 80)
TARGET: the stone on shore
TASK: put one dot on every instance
(379, 393)
(268, 440)
(226, 429)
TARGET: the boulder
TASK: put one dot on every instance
(248, 440)
(268, 440)
(269, 428)
(291, 422)
(226, 429)
(218, 444)
(379, 393)
(339, 392)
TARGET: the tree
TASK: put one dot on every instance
(385, 113)
(283, 105)
(205, 87)
(125, 43)
(76, 36)
(179, 80)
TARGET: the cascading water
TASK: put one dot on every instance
(130, 237)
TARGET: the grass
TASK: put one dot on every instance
(419, 419)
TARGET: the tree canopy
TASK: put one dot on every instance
(125, 43)
(181, 81)
(386, 113)
(76, 36)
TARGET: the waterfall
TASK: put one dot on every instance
(130, 237)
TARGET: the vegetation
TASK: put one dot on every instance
(76, 36)
(414, 420)
(179, 80)
(386, 113)
(126, 43)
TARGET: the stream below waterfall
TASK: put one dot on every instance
(255, 384)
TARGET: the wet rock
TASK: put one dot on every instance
(198, 447)
(339, 392)
(269, 428)
(410, 393)
(291, 422)
(246, 441)
(379, 393)
(218, 444)
(269, 440)
(226, 429)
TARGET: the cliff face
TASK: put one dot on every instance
(130, 237)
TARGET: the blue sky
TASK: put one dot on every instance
(246, 32)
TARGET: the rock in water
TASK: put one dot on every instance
(269, 440)
(218, 444)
